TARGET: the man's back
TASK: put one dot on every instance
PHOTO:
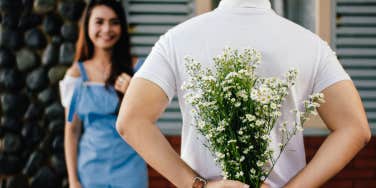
(283, 45)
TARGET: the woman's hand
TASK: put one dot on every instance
(122, 82)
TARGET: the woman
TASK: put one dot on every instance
(91, 91)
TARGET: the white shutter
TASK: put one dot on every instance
(148, 20)
(354, 38)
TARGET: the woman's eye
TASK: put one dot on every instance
(99, 22)
(115, 22)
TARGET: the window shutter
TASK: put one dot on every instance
(148, 20)
(354, 38)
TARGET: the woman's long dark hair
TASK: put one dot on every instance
(121, 55)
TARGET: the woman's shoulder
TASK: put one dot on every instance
(73, 71)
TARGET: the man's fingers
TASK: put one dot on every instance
(235, 184)
(226, 184)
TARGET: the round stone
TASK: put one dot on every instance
(50, 55)
(54, 112)
(47, 96)
(33, 163)
(12, 124)
(37, 80)
(2, 132)
(12, 143)
(12, 164)
(10, 6)
(46, 178)
(10, 20)
(7, 58)
(57, 40)
(67, 51)
(32, 133)
(65, 183)
(52, 24)
(18, 181)
(28, 21)
(58, 144)
(33, 112)
(58, 164)
(10, 38)
(55, 74)
(26, 60)
(70, 32)
(44, 6)
(71, 9)
(3, 161)
(11, 79)
(13, 105)
(45, 144)
(34, 38)
(56, 126)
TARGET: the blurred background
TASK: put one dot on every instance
(37, 43)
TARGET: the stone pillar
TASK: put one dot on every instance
(37, 44)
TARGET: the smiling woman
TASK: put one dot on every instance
(90, 92)
(104, 27)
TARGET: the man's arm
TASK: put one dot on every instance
(344, 115)
(141, 107)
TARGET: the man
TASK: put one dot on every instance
(242, 24)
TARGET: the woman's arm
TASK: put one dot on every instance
(71, 138)
(72, 133)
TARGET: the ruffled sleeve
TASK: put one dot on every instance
(68, 94)
(67, 86)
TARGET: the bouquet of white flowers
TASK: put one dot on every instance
(235, 109)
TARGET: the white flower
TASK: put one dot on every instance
(299, 128)
(280, 145)
(201, 124)
(260, 163)
(253, 171)
(242, 158)
(273, 106)
(221, 128)
(250, 117)
(240, 132)
(239, 174)
(259, 122)
(220, 155)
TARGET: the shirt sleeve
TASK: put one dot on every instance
(66, 87)
(68, 94)
(329, 69)
(158, 67)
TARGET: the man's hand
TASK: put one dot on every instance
(226, 184)
(230, 184)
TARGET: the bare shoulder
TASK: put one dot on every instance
(73, 71)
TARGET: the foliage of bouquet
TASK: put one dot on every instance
(235, 109)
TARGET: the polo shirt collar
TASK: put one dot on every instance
(263, 4)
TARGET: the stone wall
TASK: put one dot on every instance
(37, 44)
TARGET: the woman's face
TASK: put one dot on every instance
(104, 27)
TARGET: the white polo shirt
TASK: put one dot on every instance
(244, 24)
